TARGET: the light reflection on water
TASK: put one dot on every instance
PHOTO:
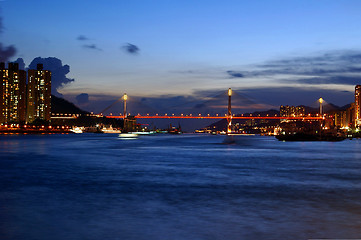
(93, 186)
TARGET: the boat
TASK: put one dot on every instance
(93, 130)
(76, 130)
(144, 133)
(128, 135)
(110, 130)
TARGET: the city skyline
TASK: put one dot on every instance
(266, 49)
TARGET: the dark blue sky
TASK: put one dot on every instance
(153, 48)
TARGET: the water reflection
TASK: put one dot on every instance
(177, 187)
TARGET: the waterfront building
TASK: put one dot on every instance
(292, 111)
(358, 105)
(38, 94)
(12, 94)
(346, 118)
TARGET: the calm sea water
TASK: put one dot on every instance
(93, 186)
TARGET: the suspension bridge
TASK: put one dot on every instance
(229, 116)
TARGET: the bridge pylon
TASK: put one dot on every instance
(125, 98)
(229, 114)
(320, 100)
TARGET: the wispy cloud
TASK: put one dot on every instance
(345, 80)
(235, 74)
(131, 49)
(339, 67)
(92, 46)
(82, 38)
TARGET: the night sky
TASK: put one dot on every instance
(275, 52)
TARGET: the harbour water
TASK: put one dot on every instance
(98, 186)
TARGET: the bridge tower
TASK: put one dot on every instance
(229, 114)
(125, 98)
(130, 122)
(320, 101)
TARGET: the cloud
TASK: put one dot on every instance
(330, 64)
(92, 46)
(82, 38)
(235, 74)
(131, 49)
(331, 80)
(341, 67)
(58, 72)
(6, 52)
(82, 98)
(336, 67)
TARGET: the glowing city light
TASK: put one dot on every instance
(229, 92)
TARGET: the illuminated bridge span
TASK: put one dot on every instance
(229, 116)
(217, 117)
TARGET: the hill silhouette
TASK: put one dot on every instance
(60, 105)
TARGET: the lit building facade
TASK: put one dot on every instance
(291, 111)
(358, 105)
(346, 118)
(38, 94)
(12, 94)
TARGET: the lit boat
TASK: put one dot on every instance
(143, 133)
(128, 135)
(76, 130)
(110, 130)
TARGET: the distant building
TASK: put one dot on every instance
(12, 94)
(291, 111)
(358, 105)
(38, 94)
(346, 118)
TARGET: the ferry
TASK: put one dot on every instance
(110, 130)
(77, 130)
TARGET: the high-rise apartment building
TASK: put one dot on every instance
(38, 94)
(358, 104)
(12, 94)
(292, 111)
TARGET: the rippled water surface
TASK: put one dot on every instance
(93, 186)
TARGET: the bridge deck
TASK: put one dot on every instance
(219, 117)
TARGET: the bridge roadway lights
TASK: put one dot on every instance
(219, 117)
